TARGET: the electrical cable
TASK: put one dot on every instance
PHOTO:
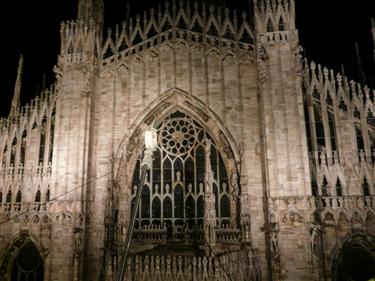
(58, 196)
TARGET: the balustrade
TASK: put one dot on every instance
(303, 203)
(230, 266)
(22, 207)
(161, 233)
(152, 233)
(345, 202)
(226, 233)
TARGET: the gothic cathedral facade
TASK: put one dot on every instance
(264, 168)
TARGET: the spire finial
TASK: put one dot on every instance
(17, 90)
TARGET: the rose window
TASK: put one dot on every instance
(178, 136)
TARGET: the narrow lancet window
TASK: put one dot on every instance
(365, 187)
(270, 26)
(23, 148)
(42, 141)
(338, 188)
(281, 24)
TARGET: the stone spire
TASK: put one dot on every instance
(91, 9)
(361, 72)
(373, 33)
(17, 91)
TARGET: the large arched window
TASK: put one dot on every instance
(175, 187)
(28, 264)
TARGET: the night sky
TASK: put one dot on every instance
(328, 31)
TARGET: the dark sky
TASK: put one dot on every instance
(328, 30)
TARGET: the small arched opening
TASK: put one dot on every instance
(22, 261)
(355, 260)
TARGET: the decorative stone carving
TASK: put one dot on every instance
(234, 185)
(178, 136)
(78, 242)
(157, 112)
(134, 143)
(200, 112)
(225, 145)
(314, 241)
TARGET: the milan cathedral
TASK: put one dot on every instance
(264, 167)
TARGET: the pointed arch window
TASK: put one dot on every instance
(281, 24)
(319, 128)
(365, 187)
(359, 136)
(28, 264)
(332, 130)
(13, 152)
(325, 187)
(342, 105)
(8, 200)
(270, 26)
(308, 124)
(48, 194)
(9, 197)
(314, 188)
(42, 141)
(51, 134)
(173, 194)
(19, 196)
(5, 154)
(18, 201)
(23, 148)
(338, 188)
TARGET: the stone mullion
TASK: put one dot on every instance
(196, 184)
(353, 135)
(17, 151)
(365, 135)
(327, 132)
(172, 187)
(209, 196)
(314, 140)
(20, 149)
(151, 178)
(337, 125)
(47, 142)
(3, 156)
(161, 186)
(345, 125)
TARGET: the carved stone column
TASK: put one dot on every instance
(209, 198)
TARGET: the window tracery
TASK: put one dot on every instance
(175, 187)
(28, 264)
